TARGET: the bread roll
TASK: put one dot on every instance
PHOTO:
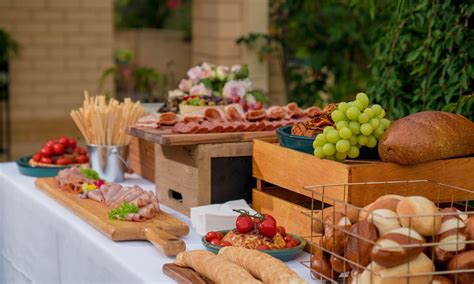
(261, 265)
(217, 269)
(419, 205)
(427, 136)
(421, 264)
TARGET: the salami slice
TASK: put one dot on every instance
(217, 127)
(185, 128)
(260, 126)
(212, 114)
(255, 115)
(269, 126)
(275, 113)
(250, 126)
(168, 118)
(238, 126)
(205, 127)
(228, 127)
(233, 114)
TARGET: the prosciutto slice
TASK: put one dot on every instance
(275, 113)
(293, 110)
(232, 113)
(96, 195)
(228, 127)
(255, 115)
(186, 128)
(71, 179)
(213, 114)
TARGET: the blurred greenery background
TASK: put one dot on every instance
(407, 55)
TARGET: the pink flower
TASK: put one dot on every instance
(195, 73)
(237, 88)
(185, 85)
(199, 90)
(207, 66)
(207, 74)
(235, 68)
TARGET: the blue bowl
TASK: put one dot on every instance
(295, 142)
(37, 171)
(286, 254)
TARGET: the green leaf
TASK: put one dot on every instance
(122, 211)
(464, 81)
(90, 174)
(412, 56)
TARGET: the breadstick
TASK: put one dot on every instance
(216, 268)
(261, 265)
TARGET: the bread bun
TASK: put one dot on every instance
(469, 231)
(419, 205)
(384, 219)
(389, 201)
(441, 280)
(464, 260)
(358, 250)
(320, 266)
(389, 250)
(334, 239)
(420, 264)
(451, 236)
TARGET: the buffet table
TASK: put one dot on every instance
(43, 242)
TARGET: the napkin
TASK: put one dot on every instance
(216, 217)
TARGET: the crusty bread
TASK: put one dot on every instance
(427, 136)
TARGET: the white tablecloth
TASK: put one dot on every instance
(43, 242)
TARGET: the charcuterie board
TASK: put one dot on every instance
(163, 230)
(165, 136)
(183, 275)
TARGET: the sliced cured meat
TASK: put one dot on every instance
(71, 179)
(255, 115)
(232, 113)
(168, 118)
(269, 126)
(293, 110)
(313, 111)
(148, 125)
(136, 217)
(275, 113)
(204, 127)
(238, 126)
(260, 125)
(148, 211)
(142, 200)
(228, 127)
(149, 119)
(250, 126)
(213, 114)
(96, 195)
(217, 127)
(193, 118)
(113, 190)
(185, 128)
(329, 108)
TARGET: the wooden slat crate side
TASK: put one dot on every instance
(142, 158)
(293, 170)
(456, 172)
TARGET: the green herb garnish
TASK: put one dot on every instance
(90, 174)
(121, 211)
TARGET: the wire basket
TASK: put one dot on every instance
(406, 260)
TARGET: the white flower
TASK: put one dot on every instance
(199, 90)
(195, 73)
(207, 74)
(175, 93)
(222, 72)
(185, 85)
(235, 68)
(207, 66)
(237, 88)
(250, 99)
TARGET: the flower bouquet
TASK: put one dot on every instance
(208, 85)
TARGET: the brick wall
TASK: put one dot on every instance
(64, 47)
(216, 26)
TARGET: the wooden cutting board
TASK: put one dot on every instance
(184, 275)
(163, 230)
(165, 136)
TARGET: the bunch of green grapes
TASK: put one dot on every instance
(357, 125)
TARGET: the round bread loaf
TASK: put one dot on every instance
(427, 136)
(428, 223)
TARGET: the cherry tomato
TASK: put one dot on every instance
(37, 157)
(257, 221)
(215, 242)
(257, 105)
(65, 141)
(219, 235)
(267, 227)
(63, 161)
(46, 160)
(291, 244)
(210, 236)
(80, 151)
(46, 151)
(281, 230)
(81, 159)
(226, 244)
(263, 247)
(50, 143)
(58, 148)
(268, 216)
(287, 238)
(72, 143)
(244, 224)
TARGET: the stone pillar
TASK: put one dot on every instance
(217, 24)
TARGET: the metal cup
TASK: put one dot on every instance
(109, 161)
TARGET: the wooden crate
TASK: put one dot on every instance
(142, 158)
(193, 175)
(293, 170)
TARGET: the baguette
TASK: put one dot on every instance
(213, 267)
(261, 265)
(427, 136)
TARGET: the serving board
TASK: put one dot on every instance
(184, 275)
(165, 136)
(162, 231)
